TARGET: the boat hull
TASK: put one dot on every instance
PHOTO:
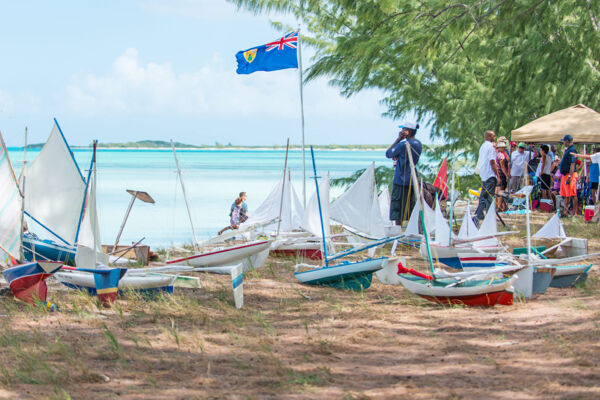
(449, 255)
(541, 279)
(348, 276)
(569, 276)
(227, 256)
(27, 282)
(482, 293)
(145, 283)
(48, 250)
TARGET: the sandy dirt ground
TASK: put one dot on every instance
(299, 342)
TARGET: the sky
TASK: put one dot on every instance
(129, 70)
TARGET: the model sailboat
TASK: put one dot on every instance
(472, 290)
(252, 254)
(56, 203)
(345, 275)
(26, 281)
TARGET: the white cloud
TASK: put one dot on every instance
(18, 103)
(136, 87)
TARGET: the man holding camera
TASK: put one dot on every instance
(403, 200)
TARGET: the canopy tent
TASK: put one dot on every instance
(579, 121)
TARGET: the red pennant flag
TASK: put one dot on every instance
(441, 180)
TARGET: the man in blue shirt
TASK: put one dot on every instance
(568, 183)
(403, 199)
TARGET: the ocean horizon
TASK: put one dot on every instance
(212, 177)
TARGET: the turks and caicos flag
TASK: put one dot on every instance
(273, 56)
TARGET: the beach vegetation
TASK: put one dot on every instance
(464, 67)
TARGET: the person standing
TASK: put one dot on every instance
(402, 200)
(518, 162)
(568, 183)
(545, 170)
(502, 166)
(488, 172)
(594, 175)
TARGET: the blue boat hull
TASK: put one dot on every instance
(567, 281)
(47, 250)
(145, 292)
(541, 280)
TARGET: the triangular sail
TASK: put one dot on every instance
(311, 221)
(89, 236)
(442, 229)
(489, 226)
(55, 188)
(297, 209)
(414, 224)
(384, 205)
(355, 207)
(552, 229)
(467, 228)
(10, 206)
(291, 216)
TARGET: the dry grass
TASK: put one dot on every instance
(292, 341)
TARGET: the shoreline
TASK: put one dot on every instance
(77, 148)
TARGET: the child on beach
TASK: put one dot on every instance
(236, 210)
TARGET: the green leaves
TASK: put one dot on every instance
(464, 66)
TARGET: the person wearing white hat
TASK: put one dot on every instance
(402, 200)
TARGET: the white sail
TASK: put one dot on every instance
(297, 209)
(55, 188)
(291, 217)
(467, 228)
(384, 205)
(414, 224)
(358, 207)
(553, 229)
(442, 229)
(489, 226)
(10, 206)
(311, 221)
(89, 234)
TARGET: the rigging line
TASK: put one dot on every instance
(69, 148)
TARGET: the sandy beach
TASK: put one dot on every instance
(293, 341)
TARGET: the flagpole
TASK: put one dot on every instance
(302, 120)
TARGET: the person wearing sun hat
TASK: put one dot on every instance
(402, 199)
(568, 182)
(517, 165)
(502, 166)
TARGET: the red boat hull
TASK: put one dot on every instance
(30, 288)
(313, 254)
(479, 300)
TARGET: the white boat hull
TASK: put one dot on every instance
(248, 253)
(455, 291)
(128, 282)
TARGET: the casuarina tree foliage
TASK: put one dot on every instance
(465, 66)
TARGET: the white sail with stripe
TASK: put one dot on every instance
(10, 206)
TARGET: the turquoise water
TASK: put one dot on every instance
(213, 178)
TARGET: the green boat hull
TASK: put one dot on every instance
(354, 281)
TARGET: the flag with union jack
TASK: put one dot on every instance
(273, 56)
